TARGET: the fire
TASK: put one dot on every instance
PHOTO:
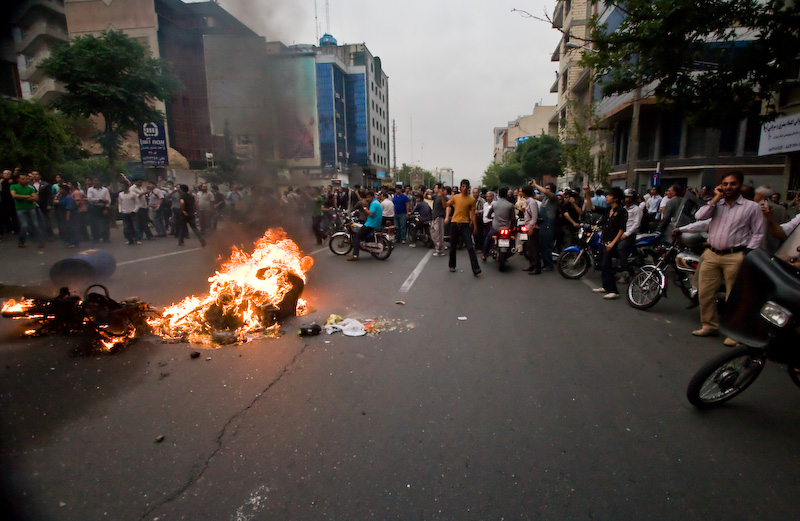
(13, 309)
(248, 294)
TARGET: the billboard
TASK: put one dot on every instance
(153, 144)
(780, 136)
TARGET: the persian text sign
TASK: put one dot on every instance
(153, 144)
(780, 136)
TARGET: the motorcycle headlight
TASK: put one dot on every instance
(775, 314)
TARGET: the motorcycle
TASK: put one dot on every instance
(376, 244)
(650, 284)
(419, 231)
(333, 222)
(574, 262)
(762, 313)
(504, 246)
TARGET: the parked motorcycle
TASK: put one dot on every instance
(419, 230)
(574, 262)
(762, 313)
(376, 244)
(650, 284)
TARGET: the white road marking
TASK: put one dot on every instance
(318, 251)
(414, 274)
(157, 256)
(254, 504)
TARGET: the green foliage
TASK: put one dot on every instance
(92, 167)
(584, 144)
(695, 56)
(540, 156)
(113, 76)
(34, 139)
(491, 176)
(405, 173)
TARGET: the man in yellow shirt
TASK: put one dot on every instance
(462, 222)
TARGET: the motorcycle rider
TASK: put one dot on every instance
(425, 213)
(503, 215)
(627, 242)
(374, 220)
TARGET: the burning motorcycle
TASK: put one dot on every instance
(762, 313)
(650, 284)
(110, 324)
(376, 244)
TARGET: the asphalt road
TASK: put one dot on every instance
(547, 402)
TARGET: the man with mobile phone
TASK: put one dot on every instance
(736, 226)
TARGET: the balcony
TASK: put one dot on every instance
(31, 72)
(558, 15)
(36, 33)
(31, 9)
(45, 91)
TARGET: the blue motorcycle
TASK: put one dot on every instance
(575, 261)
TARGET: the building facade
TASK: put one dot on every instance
(508, 138)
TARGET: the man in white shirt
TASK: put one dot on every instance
(155, 200)
(388, 209)
(128, 203)
(99, 199)
(627, 242)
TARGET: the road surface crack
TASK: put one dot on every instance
(218, 441)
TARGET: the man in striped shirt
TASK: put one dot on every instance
(736, 226)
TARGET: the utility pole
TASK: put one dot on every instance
(327, 17)
(316, 23)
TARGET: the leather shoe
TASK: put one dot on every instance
(535, 272)
(730, 342)
(706, 331)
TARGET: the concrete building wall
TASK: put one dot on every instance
(523, 127)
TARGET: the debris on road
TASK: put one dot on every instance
(348, 326)
(462, 318)
(333, 319)
(310, 330)
(159, 438)
(401, 302)
(194, 355)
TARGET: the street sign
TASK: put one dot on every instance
(655, 179)
(153, 144)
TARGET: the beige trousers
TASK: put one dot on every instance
(714, 269)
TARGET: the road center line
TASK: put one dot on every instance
(414, 274)
(156, 257)
(318, 251)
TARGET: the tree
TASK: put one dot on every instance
(113, 76)
(719, 61)
(540, 156)
(34, 139)
(584, 146)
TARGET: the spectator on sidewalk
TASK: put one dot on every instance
(25, 197)
(99, 200)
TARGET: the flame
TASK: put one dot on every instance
(239, 293)
(12, 308)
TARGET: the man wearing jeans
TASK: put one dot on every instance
(25, 197)
(437, 225)
(462, 223)
(401, 202)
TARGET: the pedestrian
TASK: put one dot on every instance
(25, 197)
(187, 217)
(531, 225)
(374, 221)
(82, 221)
(478, 232)
(317, 201)
(69, 215)
(155, 202)
(437, 224)
(401, 204)
(462, 222)
(98, 199)
(548, 213)
(127, 202)
(612, 225)
(44, 204)
(736, 227)
(205, 208)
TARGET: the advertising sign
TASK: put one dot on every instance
(780, 136)
(153, 144)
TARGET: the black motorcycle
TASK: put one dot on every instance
(762, 313)
(419, 231)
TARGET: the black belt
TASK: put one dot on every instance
(729, 251)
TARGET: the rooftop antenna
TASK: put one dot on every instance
(327, 17)
(316, 22)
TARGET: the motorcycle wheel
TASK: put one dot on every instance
(386, 251)
(645, 288)
(725, 376)
(502, 257)
(340, 243)
(573, 264)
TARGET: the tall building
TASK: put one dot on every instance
(37, 25)
(353, 110)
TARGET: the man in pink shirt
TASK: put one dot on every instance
(735, 227)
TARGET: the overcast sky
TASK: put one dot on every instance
(457, 68)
